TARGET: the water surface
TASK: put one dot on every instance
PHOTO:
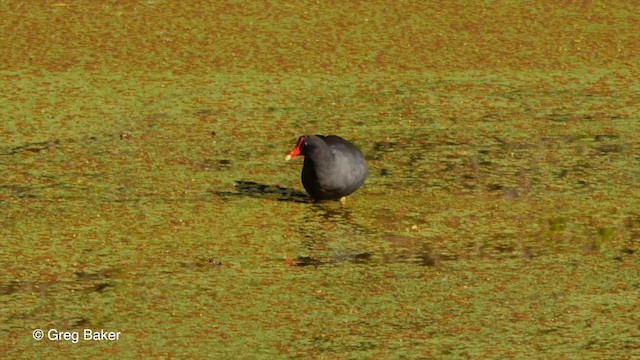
(144, 189)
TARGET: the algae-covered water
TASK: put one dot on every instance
(144, 192)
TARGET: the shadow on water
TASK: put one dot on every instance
(264, 191)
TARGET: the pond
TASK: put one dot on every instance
(148, 195)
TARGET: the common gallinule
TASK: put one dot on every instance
(333, 167)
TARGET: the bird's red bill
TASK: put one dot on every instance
(296, 150)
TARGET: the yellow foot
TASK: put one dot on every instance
(343, 201)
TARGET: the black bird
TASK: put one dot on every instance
(333, 167)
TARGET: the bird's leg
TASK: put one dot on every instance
(343, 201)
